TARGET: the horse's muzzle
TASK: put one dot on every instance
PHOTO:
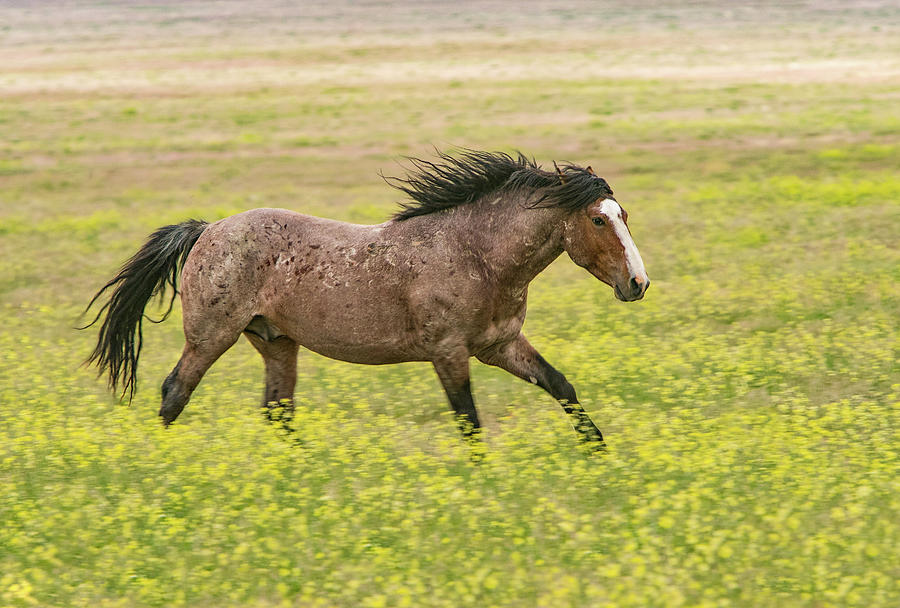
(634, 291)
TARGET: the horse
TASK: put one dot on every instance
(444, 279)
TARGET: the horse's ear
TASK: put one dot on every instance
(562, 177)
(591, 171)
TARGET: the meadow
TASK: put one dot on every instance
(751, 402)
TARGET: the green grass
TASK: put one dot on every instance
(751, 402)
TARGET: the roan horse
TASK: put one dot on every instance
(444, 280)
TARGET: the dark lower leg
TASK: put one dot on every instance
(521, 359)
(453, 372)
(174, 396)
(177, 388)
(280, 357)
(467, 418)
(556, 384)
(464, 407)
(184, 378)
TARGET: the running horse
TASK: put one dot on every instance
(445, 279)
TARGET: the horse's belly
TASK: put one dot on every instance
(348, 323)
(363, 353)
(374, 343)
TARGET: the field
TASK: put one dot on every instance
(751, 401)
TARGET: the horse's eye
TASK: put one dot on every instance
(598, 221)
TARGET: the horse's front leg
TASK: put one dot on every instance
(520, 358)
(452, 367)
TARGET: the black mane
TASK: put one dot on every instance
(455, 181)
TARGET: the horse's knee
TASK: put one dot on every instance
(562, 389)
(568, 393)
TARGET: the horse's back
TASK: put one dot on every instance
(283, 227)
(331, 286)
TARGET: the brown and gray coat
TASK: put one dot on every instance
(445, 280)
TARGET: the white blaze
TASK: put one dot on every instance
(613, 211)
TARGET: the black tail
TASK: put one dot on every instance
(145, 275)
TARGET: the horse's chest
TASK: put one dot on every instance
(503, 324)
(501, 330)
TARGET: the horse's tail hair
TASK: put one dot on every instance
(156, 265)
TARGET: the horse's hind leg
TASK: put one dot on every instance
(279, 354)
(196, 358)
(280, 357)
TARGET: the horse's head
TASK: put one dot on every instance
(597, 238)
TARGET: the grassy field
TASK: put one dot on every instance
(751, 402)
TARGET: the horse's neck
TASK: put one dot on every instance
(516, 242)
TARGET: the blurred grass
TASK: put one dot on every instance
(751, 401)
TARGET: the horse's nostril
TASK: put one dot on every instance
(635, 286)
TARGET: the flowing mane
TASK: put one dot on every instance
(455, 181)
